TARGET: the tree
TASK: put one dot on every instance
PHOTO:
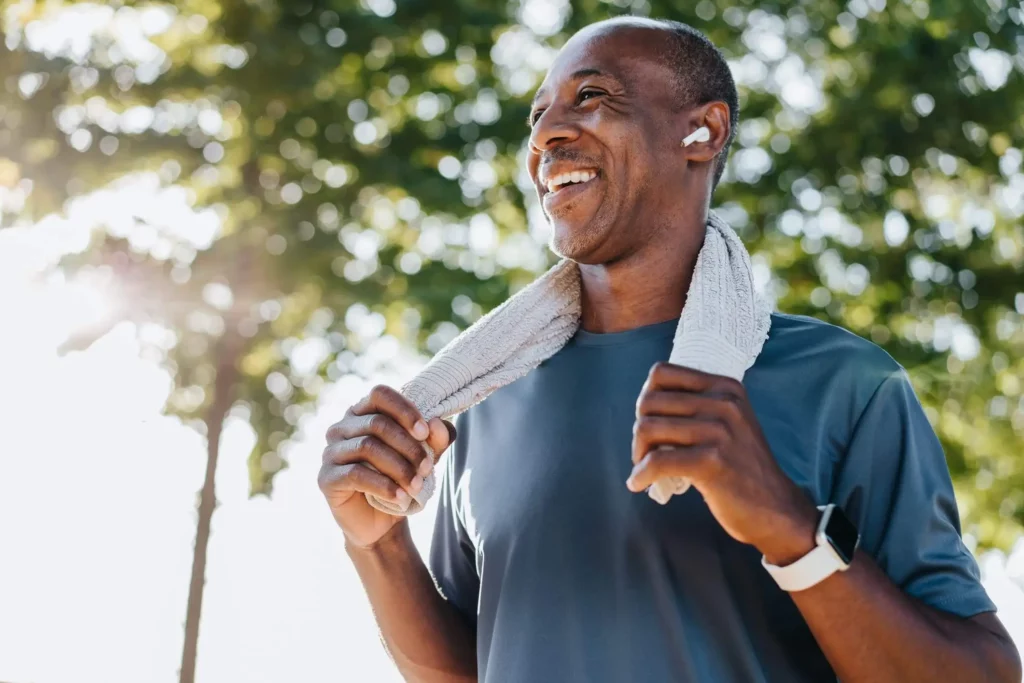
(318, 162)
(360, 161)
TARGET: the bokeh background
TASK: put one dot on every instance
(221, 221)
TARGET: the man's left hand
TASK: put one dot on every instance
(701, 427)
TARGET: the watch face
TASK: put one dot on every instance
(842, 535)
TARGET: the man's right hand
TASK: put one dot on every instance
(384, 430)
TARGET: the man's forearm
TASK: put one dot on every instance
(871, 631)
(427, 638)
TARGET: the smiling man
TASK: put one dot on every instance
(821, 537)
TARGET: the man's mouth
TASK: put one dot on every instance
(557, 182)
(564, 189)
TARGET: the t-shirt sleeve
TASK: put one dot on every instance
(894, 484)
(452, 558)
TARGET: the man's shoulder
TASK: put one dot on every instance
(811, 338)
(826, 354)
(816, 380)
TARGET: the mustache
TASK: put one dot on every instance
(564, 154)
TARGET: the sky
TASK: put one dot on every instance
(97, 518)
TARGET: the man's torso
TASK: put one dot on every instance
(582, 580)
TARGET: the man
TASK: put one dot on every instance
(550, 566)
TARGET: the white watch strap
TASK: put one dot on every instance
(809, 570)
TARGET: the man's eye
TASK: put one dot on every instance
(584, 95)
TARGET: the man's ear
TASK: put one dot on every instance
(715, 117)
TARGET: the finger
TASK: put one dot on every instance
(678, 404)
(386, 460)
(388, 431)
(362, 479)
(384, 399)
(442, 435)
(670, 376)
(649, 432)
(689, 462)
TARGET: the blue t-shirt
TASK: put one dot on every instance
(568, 576)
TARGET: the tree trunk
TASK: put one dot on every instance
(222, 399)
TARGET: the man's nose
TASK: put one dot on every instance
(554, 127)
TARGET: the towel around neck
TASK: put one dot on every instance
(721, 331)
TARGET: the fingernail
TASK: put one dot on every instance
(426, 466)
(420, 430)
(402, 498)
(416, 484)
(631, 484)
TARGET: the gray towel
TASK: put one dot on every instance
(721, 331)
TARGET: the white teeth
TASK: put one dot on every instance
(554, 183)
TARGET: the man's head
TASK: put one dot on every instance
(618, 100)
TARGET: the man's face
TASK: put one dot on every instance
(604, 148)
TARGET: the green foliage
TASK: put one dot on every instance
(364, 169)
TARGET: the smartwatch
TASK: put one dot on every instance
(836, 540)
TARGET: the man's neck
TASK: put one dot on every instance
(644, 288)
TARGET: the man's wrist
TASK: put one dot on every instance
(793, 539)
(396, 541)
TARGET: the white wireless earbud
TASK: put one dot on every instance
(702, 134)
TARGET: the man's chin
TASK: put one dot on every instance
(579, 243)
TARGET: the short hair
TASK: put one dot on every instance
(702, 75)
